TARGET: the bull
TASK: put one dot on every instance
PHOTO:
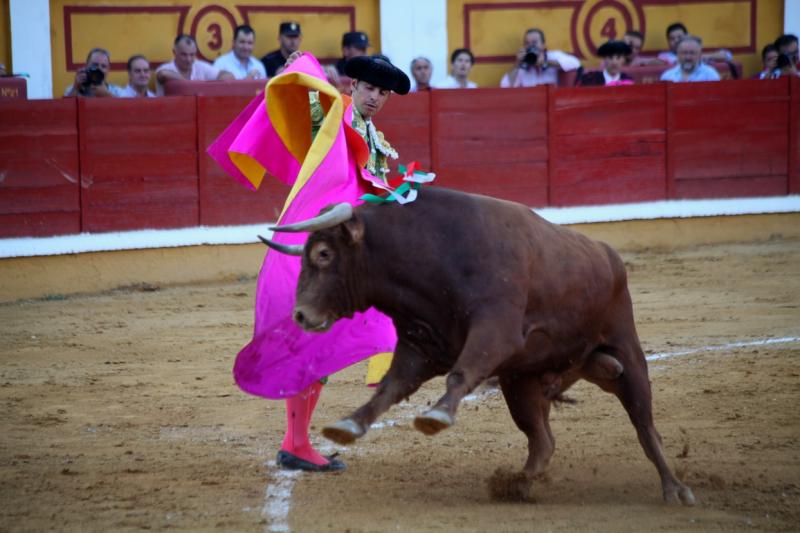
(480, 287)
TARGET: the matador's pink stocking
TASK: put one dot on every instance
(299, 409)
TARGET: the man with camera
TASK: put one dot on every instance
(91, 81)
(786, 62)
(536, 65)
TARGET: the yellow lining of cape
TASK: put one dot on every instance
(289, 110)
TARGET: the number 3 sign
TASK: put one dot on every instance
(599, 21)
(212, 28)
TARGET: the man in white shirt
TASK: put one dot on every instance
(536, 65)
(138, 78)
(240, 61)
(186, 66)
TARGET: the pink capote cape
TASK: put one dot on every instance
(273, 134)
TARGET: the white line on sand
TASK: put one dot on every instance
(729, 346)
(278, 496)
(278, 499)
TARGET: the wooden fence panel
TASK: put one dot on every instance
(728, 139)
(491, 141)
(794, 138)
(138, 163)
(39, 168)
(608, 145)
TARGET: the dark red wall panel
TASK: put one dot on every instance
(39, 168)
(728, 139)
(794, 138)
(405, 122)
(608, 145)
(138, 163)
(491, 141)
(224, 201)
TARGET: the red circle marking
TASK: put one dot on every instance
(614, 4)
(200, 14)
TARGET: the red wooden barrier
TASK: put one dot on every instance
(39, 193)
(608, 145)
(794, 138)
(248, 88)
(405, 121)
(491, 141)
(138, 163)
(222, 200)
(728, 139)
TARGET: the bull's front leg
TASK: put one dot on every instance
(407, 372)
(488, 344)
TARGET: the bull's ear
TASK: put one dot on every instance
(354, 230)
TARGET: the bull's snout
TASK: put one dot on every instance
(299, 318)
(309, 321)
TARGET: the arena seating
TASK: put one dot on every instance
(95, 165)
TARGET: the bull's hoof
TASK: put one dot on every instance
(679, 494)
(345, 431)
(433, 422)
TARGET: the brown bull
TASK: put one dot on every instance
(480, 287)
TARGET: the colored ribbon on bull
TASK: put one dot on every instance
(402, 189)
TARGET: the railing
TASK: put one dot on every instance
(96, 165)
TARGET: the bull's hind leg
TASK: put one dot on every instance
(632, 388)
(530, 408)
(407, 372)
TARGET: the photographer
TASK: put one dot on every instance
(536, 65)
(90, 81)
(786, 62)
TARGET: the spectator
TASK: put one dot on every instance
(289, 38)
(689, 67)
(614, 54)
(186, 66)
(91, 80)
(769, 60)
(675, 34)
(635, 40)
(536, 65)
(461, 62)
(138, 78)
(240, 61)
(787, 47)
(421, 70)
(354, 44)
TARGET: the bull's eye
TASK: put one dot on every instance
(321, 254)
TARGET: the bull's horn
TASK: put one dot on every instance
(336, 215)
(289, 249)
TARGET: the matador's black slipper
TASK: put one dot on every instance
(290, 461)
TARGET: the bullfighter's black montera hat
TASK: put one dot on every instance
(378, 71)
(614, 48)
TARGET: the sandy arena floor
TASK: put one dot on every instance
(119, 413)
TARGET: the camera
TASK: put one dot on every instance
(531, 55)
(94, 76)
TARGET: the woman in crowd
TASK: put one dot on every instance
(461, 62)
